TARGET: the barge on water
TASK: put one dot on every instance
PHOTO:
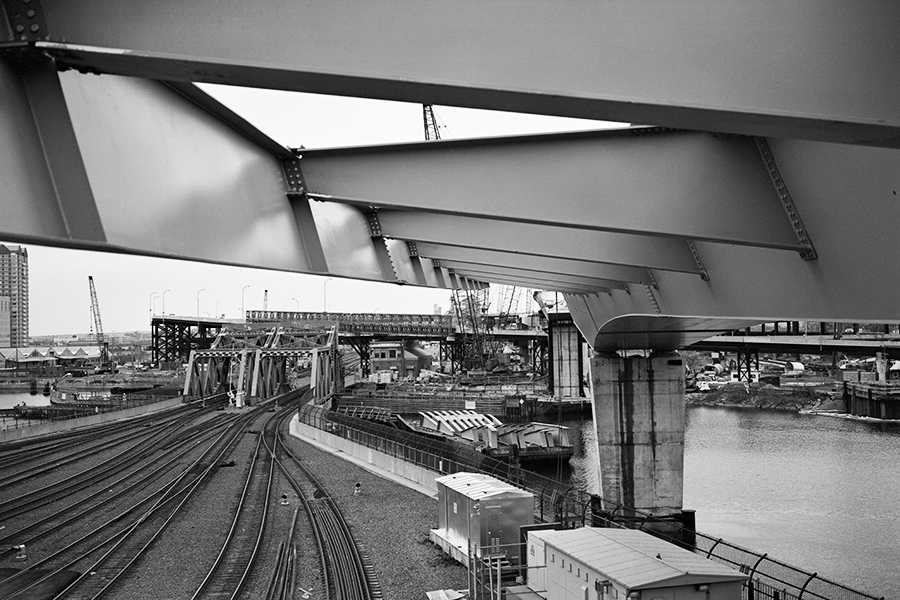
(113, 391)
(527, 442)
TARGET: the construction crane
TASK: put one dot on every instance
(106, 365)
(431, 127)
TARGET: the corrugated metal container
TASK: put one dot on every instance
(480, 509)
(623, 563)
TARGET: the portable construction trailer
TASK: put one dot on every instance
(620, 564)
(482, 512)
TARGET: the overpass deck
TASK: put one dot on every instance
(804, 344)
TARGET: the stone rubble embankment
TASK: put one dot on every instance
(762, 395)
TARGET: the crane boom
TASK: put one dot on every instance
(431, 127)
(105, 365)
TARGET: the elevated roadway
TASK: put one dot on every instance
(762, 184)
(803, 344)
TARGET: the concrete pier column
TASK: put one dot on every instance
(566, 357)
(639, 416)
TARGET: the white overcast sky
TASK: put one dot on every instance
(130, 288)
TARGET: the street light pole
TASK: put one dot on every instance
(152, 298)
(243, 314)
(164, 303)
(298, 303)
(325, 295)
(198, 301)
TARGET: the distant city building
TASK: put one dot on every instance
(14, 285)
(5, 328)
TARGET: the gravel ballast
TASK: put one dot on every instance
(391, 521)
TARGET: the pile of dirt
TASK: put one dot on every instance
(761, 395)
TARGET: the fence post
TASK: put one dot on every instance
(753, 570)
(708, 554)
(803, 589)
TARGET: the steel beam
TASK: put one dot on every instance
(526, 278)
(766, 68)
(112, 163)
(46, 187)
(543, 283)
(535, 264)
(758, 284)
(639, 181)
(600, 247)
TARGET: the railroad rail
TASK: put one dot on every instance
(348, 572)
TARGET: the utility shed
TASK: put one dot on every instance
(474, 508)
(611, 564)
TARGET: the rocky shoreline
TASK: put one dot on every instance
(789, 398)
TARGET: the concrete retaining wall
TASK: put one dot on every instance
(20, 433)
(418, 475)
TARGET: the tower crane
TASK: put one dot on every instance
(106, 365)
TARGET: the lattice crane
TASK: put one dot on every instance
(106, 365)
(431, 127)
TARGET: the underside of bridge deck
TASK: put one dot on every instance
(767, 189)
(761, 185)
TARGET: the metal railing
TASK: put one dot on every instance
(770, 579)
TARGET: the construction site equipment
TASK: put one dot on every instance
(431, 127)
(106, 365)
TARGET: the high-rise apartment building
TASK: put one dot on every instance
(4, 322)
(14, 285)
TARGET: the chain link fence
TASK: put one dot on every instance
(770, 579)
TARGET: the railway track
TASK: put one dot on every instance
(348, 572)
(98, 525)
(18, 457)
(104, 552)
(144, 442)
(229, 572)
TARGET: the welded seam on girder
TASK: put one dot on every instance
(808, 253)
(704, 275)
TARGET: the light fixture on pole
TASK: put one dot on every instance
(152, 298)
(325, 295)
(164, 303)
(298, 303)
(198, 301)
(243, 314)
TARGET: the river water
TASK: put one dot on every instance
(16, 398)
(818, 493)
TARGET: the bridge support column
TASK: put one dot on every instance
(566, 358)
(639, 415)
(747, 364)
